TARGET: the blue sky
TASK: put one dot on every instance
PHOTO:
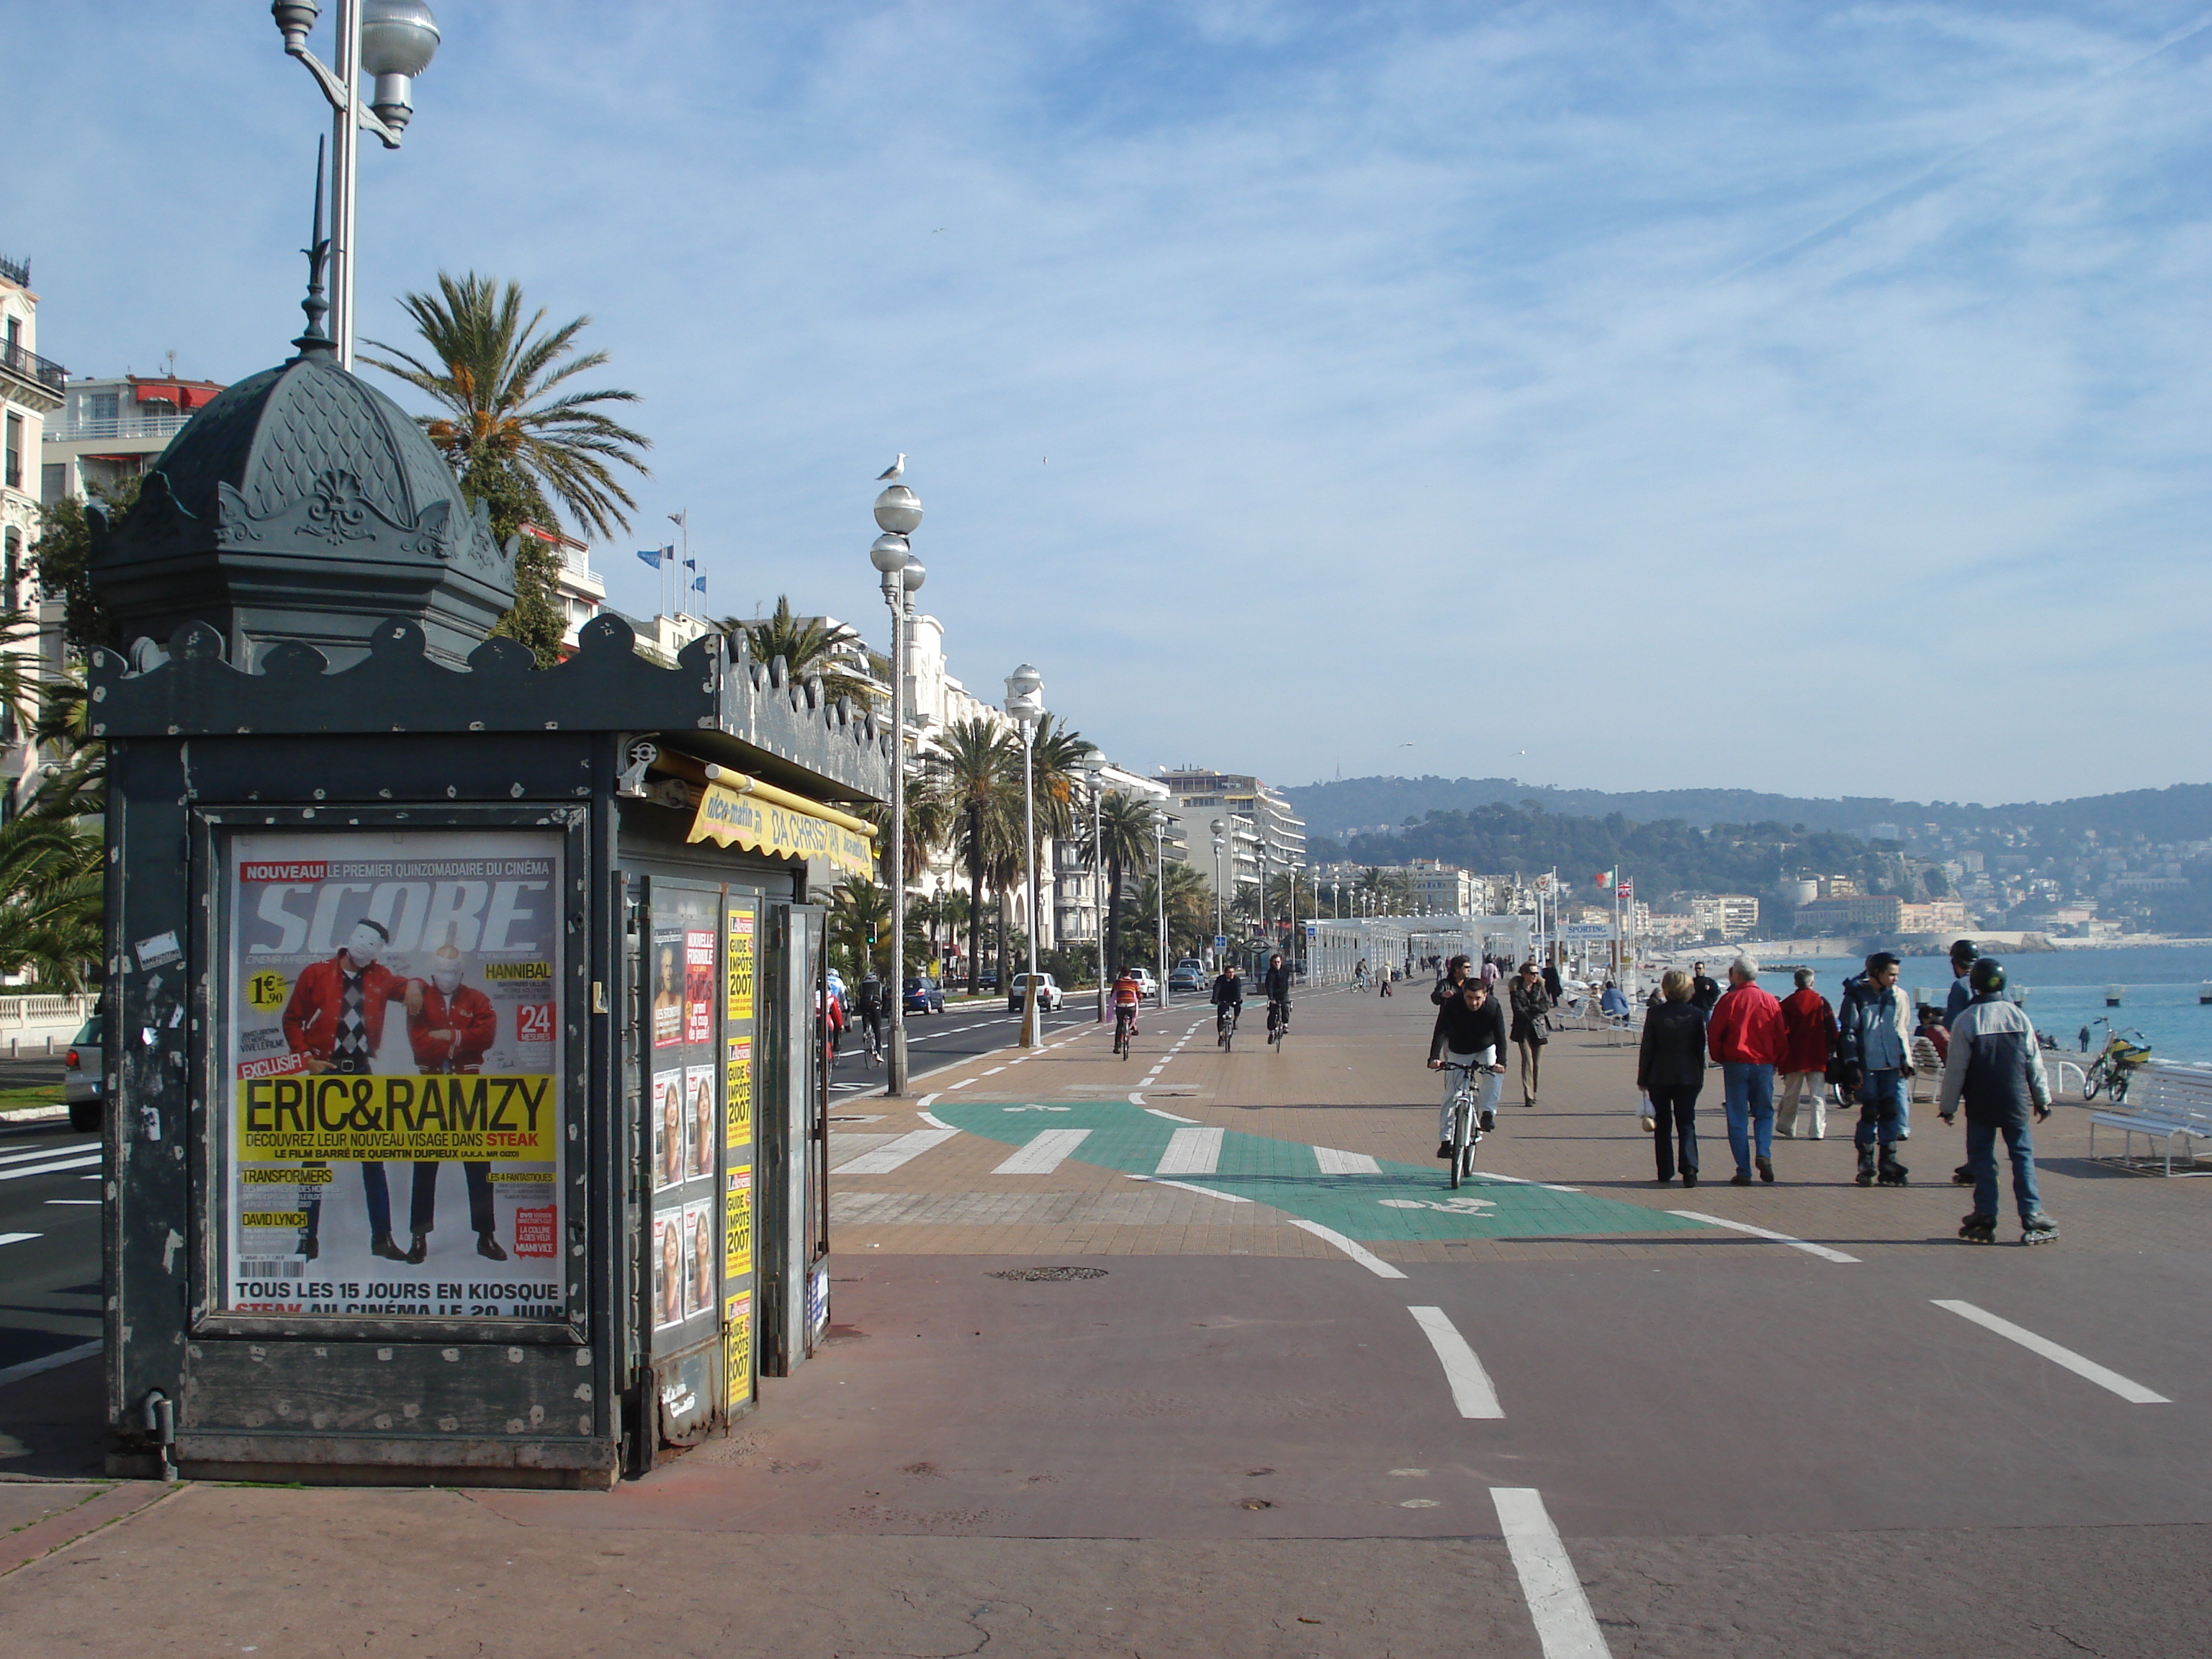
(1800, 398)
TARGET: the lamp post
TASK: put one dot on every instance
(898, 515)
(1094, 770)
(1025, 707)
(1160, 893)
(1219, 825)
(392, 41)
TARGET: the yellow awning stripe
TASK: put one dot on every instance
(757, 821)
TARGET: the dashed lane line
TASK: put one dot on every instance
(1332, 1161)
(50, 1151)
(1156, 1112)
(22, 1171)
(882, 1160)
(1185, 1186)
(19, 1238)
(1820, 1250)
(2134, 1392)
(1191, 1152)
(1359, 1253)
(1471, 1387)
(1565, 1626)
(1044, 1153)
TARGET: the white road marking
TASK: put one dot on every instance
(1191, 1152)
(18, 1238)
(50, 1362)
(993, 1072)
(924, 1103)
(1208, 1192)
(73, 1201)
(2134, 1392)
(51, 1169)
(1170, 1116)
(904, 1150)
(1820, 1250)
(50, 1151)
(1470, 1384)
(1332, 1162)
(1359, 1253)
(932, 1119)
(1523, 1181)
(1565, 1626)
(1044, 1152)
(962, 1083)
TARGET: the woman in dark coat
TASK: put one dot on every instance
(1531, 1003)
(1670, 1068)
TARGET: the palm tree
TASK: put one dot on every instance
(810, 647)
(503, 430)
(51, 917)
(978, 764)
(1190, 914)
(1124, 842)
(859, 914)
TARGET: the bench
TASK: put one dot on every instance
(2166, 1102)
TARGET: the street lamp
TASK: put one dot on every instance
(1219, 825)
(1025, 707)
(898, 514)
(1160, 892)
(392, 42)
(1094, 770)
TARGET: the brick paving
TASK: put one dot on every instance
(1351, 1077)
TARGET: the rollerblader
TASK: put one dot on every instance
(1875, 1038)
(1996, 1069)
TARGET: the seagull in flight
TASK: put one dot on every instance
(893, 471)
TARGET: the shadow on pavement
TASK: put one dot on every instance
(53, 1426)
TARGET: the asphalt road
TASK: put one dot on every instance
(962, 1032)
(49, 1242)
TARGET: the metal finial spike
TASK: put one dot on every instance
(316, 305)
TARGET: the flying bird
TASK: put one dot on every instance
(893, 471)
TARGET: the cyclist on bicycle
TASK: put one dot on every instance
(871, 1009)
(1228, 997)
(1276, 981)
(1128, 998)
(1470, 1030)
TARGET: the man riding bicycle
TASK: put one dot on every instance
(1470, 1032)
(1277, 984)
(871, 1014)
(1228, 998)
(1128, 997)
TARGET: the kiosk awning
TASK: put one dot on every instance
(763, 818)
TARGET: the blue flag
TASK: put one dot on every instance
(651, 556)
(690, 564)
(699, 582)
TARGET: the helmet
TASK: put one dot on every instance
(1987, 976)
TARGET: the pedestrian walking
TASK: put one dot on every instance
(1703, 991)
(1874, 1037)
(1670, 1069)
(1745, 1035)
(1531, 1004)
(1996, 1071)
(1808, 1045)
(1551, 986)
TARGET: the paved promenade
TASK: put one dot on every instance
(1196, 1354)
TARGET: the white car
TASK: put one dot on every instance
(1048, 993)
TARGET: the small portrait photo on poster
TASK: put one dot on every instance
(668, 1267)
(668, 1132)
(701, 1119)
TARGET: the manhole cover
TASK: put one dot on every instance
(1049, 1275)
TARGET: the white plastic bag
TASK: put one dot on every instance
(1647, 1123)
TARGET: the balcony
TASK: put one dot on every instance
(115, 427)
(34, 367)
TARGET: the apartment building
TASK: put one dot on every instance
(108, 431)
(1261, 834)
(32, 390)
(1732, 915)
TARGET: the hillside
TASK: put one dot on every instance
(1334, 809)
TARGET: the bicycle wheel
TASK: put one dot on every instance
(2092, 1080)
(1459, 1139)
(2120, 1088)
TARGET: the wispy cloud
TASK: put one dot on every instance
(1708, 393)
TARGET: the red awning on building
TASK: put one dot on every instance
(155, 391)
(196, 396)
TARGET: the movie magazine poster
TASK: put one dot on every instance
(699, 985)
(667, 1268)
(667, 987)
(391, 1136)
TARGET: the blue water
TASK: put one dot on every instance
(2066, 991)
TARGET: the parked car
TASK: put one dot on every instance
(988, 980)
(924, 996)
(1146, 982)
(82, 1086)
(1049, 994)
(1188, 976)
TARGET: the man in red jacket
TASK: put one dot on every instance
(1745, 1034)
(450, 1033)
(1808, 1040)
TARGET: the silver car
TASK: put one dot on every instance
(82, 1083)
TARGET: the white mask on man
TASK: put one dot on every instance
(364, 944)
(447, 979)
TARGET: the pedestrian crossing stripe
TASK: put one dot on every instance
(1408, 1202)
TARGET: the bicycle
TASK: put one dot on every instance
(1125, 1027)
(2116, 1064)
(1279, 1023)
(1467, 1132)
(1225, 1025)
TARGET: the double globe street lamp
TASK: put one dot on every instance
(1094, 773)
(898, 515)
(392, 42)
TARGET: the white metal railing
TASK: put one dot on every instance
(115, 427)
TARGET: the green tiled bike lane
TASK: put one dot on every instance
(1398, 1201)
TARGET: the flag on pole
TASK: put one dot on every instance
(690, 564)
(1602, 879)
(699, 583)
(651, 556)
(1625, 890)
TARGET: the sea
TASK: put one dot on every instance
(2062, 991)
